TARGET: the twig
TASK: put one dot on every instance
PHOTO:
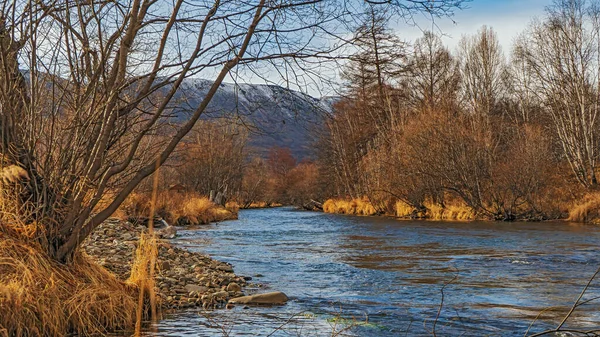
(578, 299)
(286, 322)
(437, 317)
(577, 303)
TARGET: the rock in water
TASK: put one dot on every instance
(234, 287)
(167, 232)
(276, 297)
(225, 268)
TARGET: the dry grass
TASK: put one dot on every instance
(452, 210)
(233, 207)
(587, 209)
(179, 208)
(351, 207)
(41, 297)
(142, 275)
(403, 210)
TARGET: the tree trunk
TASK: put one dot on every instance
(26, 198)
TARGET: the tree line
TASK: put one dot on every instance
(218, 157)
(508, 135)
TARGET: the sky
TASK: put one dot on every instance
(507, 17)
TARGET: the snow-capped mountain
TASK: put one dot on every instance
(278, 116)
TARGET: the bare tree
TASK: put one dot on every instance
(93, 113)
(482, 70)
(87, 89)
(433, 76)
(213, 159)
(562, 55)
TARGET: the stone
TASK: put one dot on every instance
(233, 287)
(276, 297)
(225, 268)
(164, 265)
(169, 232)
(192, 288)
(182, 274)
(221, 295)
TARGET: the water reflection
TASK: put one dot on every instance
(384, 276)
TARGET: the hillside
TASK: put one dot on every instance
(277, 116)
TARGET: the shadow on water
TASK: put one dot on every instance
(384, 276)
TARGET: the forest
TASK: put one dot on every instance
(423, 131)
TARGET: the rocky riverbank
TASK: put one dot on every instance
(184, 279)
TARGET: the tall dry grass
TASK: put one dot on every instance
(586, 210)
(261, 204)
(403, 210)
(178, 208)
(360, 206)
(41, 297)
(142, 275)
(452, 210)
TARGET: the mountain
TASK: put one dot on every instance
(278, 116)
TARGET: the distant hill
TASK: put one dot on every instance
(278, 116)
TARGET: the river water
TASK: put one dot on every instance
(371, 276)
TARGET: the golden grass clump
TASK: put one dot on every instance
(258, 204)
(200, 210)
(452, 210)
(360, 206)
(402, 209)
(41, 297)
(179, 208)
(233, 207)
(587, 209)
(261, 204)
(329, 206)
(142, 275)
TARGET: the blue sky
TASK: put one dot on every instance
(507, 17)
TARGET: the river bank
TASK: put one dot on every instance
(97, 292)
(584, 210)
(184, 279)
(389, 273)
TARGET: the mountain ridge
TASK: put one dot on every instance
(279, 116)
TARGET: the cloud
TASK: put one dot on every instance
(507, 17)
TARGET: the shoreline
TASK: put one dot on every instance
(184, 279)
(397, 218)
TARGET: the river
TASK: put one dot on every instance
(374, 276)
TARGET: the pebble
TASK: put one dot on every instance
(184, 279)
(234, 287)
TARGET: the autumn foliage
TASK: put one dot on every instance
(461, 136)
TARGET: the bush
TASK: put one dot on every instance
(351, 207)
(178, 208)
(587, 209)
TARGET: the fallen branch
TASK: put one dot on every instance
(577, 304)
